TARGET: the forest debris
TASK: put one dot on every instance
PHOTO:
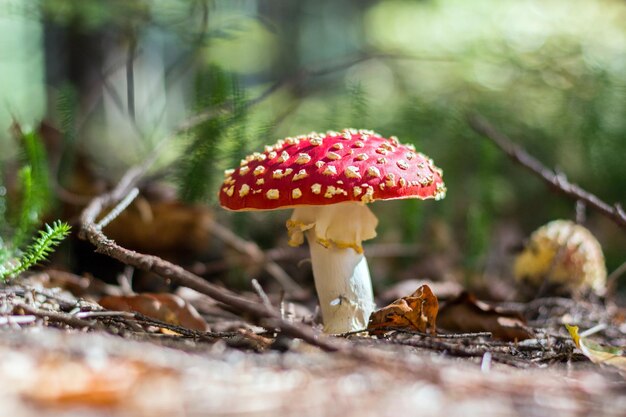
(467, 314)
(168, 308)
(417, 311)
(597, 353)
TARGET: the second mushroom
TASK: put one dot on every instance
(328, 179)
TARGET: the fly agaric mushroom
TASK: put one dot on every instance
(562, 257)
(328, 179)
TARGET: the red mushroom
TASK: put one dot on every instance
(328, 179)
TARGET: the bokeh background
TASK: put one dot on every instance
(105, 81)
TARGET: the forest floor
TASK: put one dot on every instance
(65, 356)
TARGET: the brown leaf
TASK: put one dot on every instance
(467, 314)
(168, 308)
(417, 311)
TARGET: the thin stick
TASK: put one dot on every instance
(557, 182)
(262, 295)
(119, 208)
(475, 335)
(57, 317)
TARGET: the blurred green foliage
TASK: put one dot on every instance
(18, 222)
(551, 74)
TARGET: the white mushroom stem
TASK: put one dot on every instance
(342, 279)
(343, 285)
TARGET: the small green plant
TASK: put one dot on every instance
(39, 249)
(19, 222)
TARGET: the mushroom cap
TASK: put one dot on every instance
(321, 169)
(565, 254)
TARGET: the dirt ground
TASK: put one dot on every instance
(64, 357)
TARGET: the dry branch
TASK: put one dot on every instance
(557, 181)
(177, 274)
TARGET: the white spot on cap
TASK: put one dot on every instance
(330, 170)
(260, 181)
(381, 161)
(358, 144)
(272, 155)
(382, 151)
(402, 182)
(315, 141)
(352, 172)
(333, 156)
(337, 146)
(319, 164)
(301, 174)
(279, 173)
(244, 170)
(386, 146)
(369, 195)
(357, 191)
(260, 157)
(296, 193)
(361, 157)
(332, 190)
(284, 155)
(316, 188)
(303, 158)
(373, 172)
(230, 191)
(228, 173)
(244, 190)
(272, 194)
(390, 180)
(402, 164)
(259, 170)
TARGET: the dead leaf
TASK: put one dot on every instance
(417, 311)
(597, 353)
(168, 308)
(467, 314)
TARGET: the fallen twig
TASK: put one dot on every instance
(57, 317)
(177, 274)
(557, 181)
(261, 293)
